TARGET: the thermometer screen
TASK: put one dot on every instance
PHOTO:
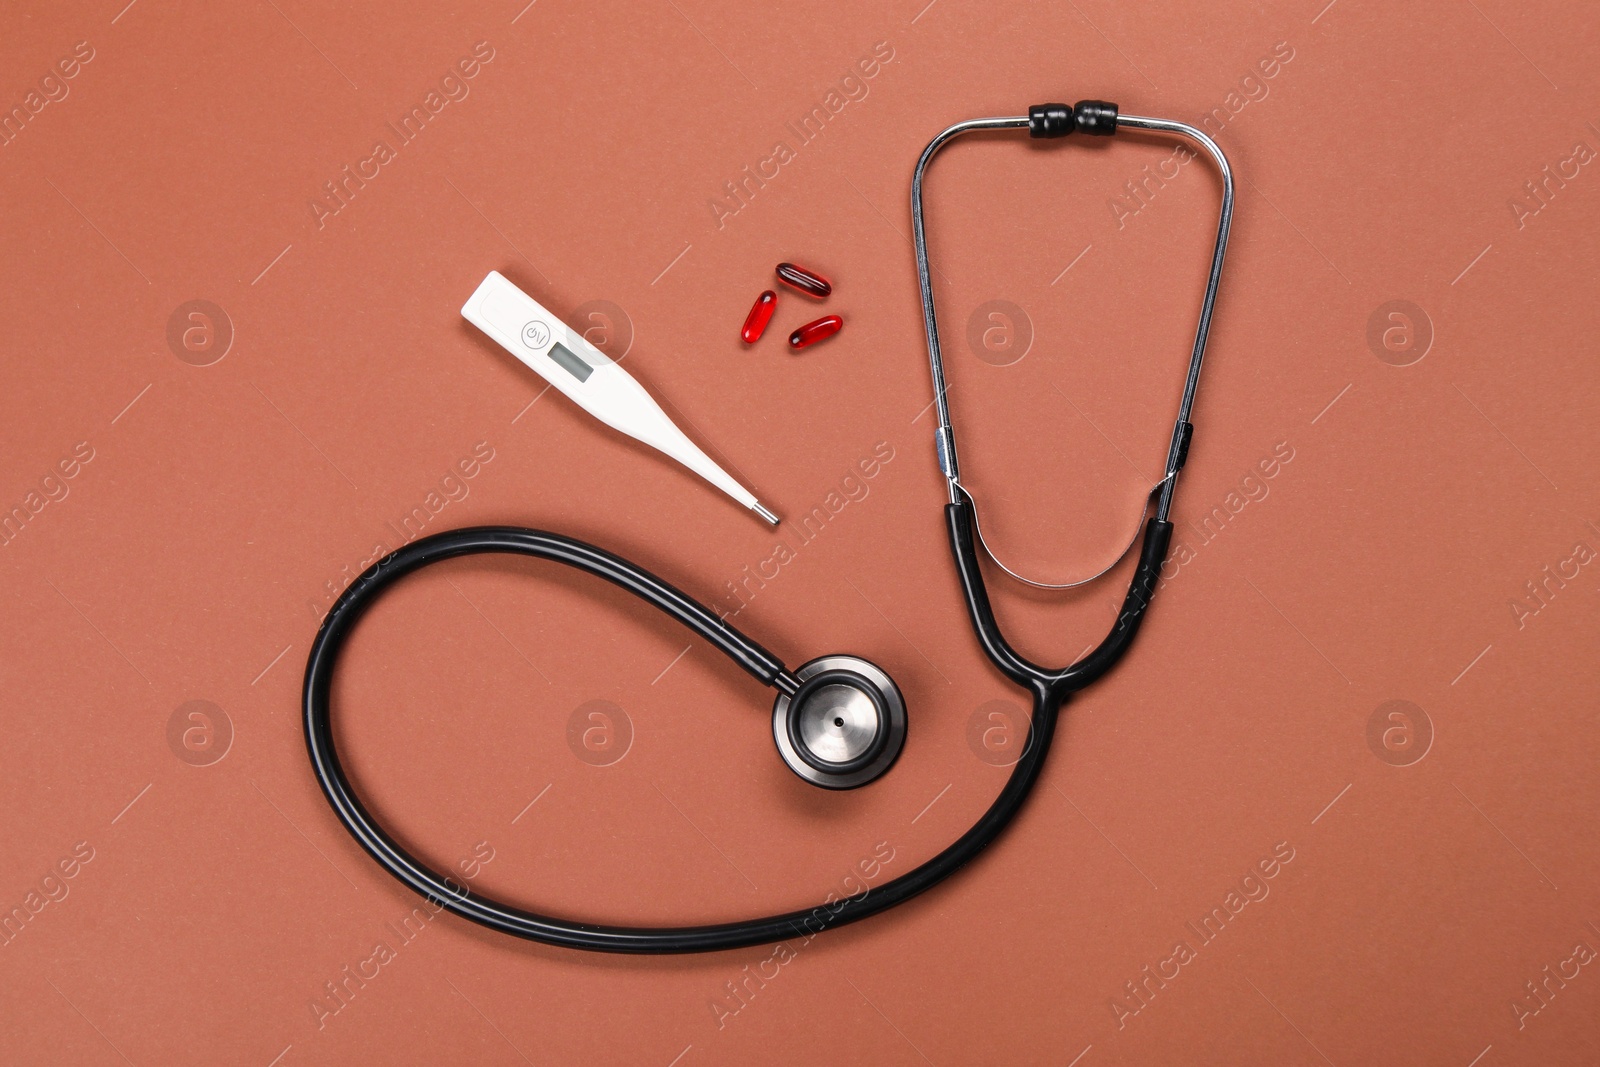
(570, 362)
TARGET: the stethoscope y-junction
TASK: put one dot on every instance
(839, 721)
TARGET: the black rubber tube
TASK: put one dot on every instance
(1065, 680)
(760, 663)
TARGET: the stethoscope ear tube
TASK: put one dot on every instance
(1058, 120)
(1141, 590)
(1022, 671)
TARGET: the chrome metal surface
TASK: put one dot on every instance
(838, 723)
(945, 441)
(947, 459)
(1203, 329)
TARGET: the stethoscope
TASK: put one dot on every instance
(839, 721)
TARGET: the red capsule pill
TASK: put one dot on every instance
(812, 332)
(755, 323)
(807, 281)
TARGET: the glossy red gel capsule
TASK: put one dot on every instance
(807, 281)
(755, 323)
(812, 332)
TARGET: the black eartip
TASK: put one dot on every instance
(1095, 117)
(1050, 120)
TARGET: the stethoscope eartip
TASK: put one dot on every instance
(844, 726)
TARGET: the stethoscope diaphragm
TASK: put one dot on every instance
(844, 726)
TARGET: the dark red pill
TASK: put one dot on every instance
(812, 332)
(755, 323)
(807, 281)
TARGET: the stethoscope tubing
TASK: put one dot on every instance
(451, 895)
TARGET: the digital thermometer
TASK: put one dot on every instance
(526, 329)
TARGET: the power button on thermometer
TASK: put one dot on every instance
(567, 361)
(536, 335)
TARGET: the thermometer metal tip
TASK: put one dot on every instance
(564, 357)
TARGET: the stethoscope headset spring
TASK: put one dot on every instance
(838, 721)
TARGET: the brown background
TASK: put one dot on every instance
(192, 556)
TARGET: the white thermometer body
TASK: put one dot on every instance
(561, 356)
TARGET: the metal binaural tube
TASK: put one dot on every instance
(945, 434)
(945, 438)
(1203, 329)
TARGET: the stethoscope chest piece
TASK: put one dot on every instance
(844, 726)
